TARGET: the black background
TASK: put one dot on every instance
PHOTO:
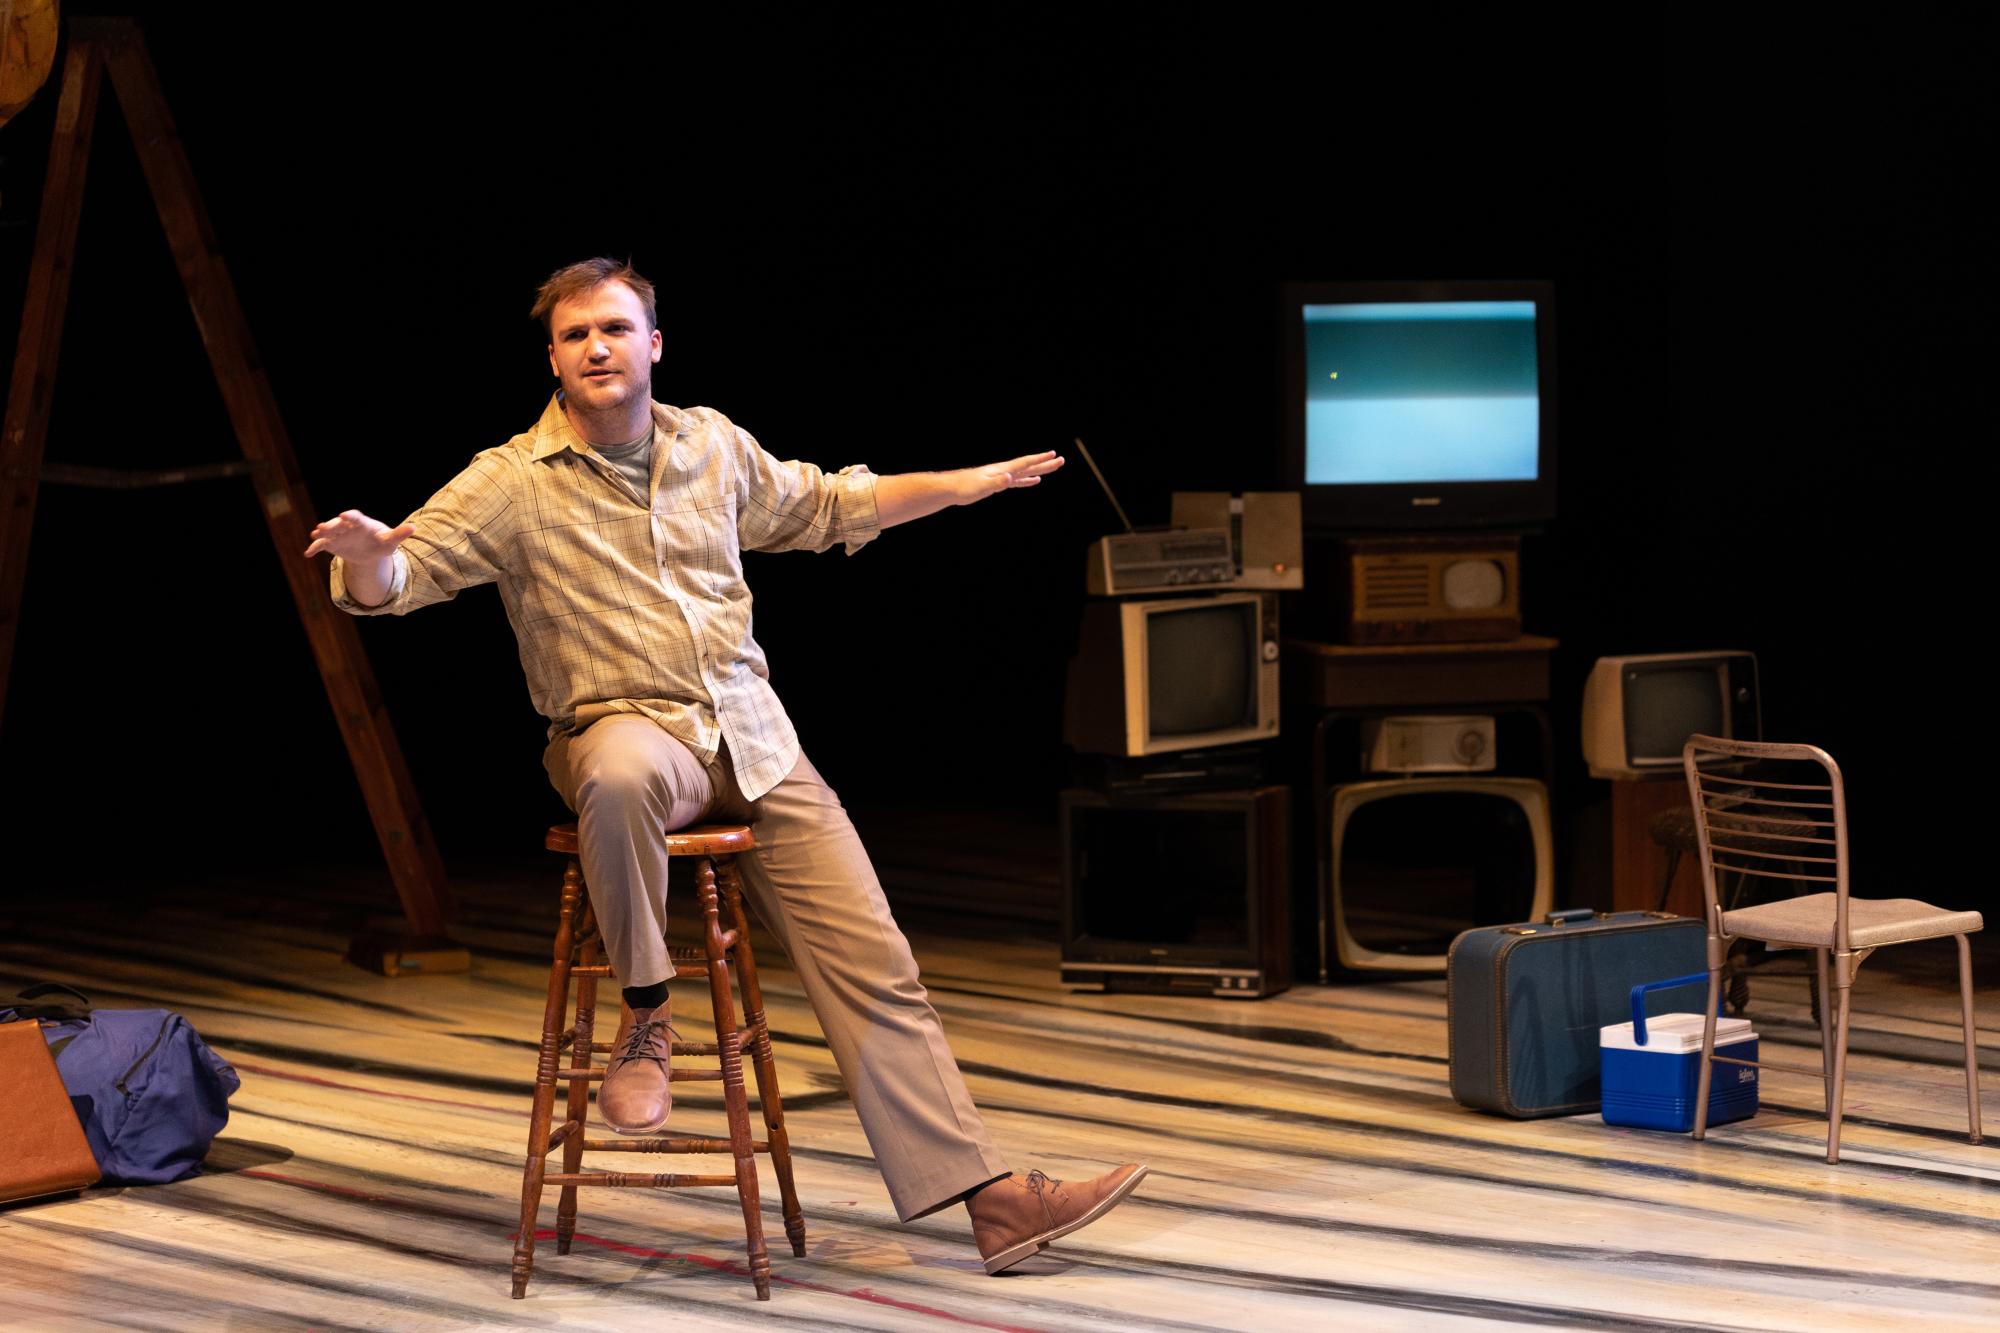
(927, 242)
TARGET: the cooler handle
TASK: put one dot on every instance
(1639, 1001)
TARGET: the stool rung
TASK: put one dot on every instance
(678, 1076)
(668, 1145)
(556, 1139)
(633, 1181)
(593, 970)
(680, 1047)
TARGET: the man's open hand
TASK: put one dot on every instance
(357, 538)
(903, 496)
(1028, 470)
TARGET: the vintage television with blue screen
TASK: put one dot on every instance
(1415, 861)
(1426, 405)
(1639, 711)
(1155, 675)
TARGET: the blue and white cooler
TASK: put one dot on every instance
(1651, 1067)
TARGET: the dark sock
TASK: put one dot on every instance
(973, 1193)
(646, 997)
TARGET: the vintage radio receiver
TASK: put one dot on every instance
(1263, 528)
(1432, 589)
(1135, 562)
(1418, 743)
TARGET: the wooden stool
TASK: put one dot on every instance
(714, 849)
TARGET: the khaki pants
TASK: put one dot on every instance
(811, 884)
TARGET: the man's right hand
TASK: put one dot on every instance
(365, 547)
(355, 537)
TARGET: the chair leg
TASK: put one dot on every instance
(1843, 983)
(762, 1062)
(545, 1079)
(1823, 1015)
(1971, 1037)
(1707, 1046)
(578, 1108)
(730, 1045)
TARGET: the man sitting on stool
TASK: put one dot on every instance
(615, 530)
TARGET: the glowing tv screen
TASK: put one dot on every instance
(1422, 404)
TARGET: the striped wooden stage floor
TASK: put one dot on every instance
(1310, 1169)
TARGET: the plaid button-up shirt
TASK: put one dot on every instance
(624, 603)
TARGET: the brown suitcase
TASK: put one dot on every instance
(50, 1154)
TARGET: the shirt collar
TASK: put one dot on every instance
(553, 433)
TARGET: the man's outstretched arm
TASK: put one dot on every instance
(907, 495)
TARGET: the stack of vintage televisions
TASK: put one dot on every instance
(1176, 846)
(1420, 433)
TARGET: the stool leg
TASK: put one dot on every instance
(579, 1093)
(730, 1046)
(762, 1062)
(545, 1080)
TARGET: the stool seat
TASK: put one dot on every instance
(575, 961)
(695, 840)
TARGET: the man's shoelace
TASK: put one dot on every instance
(639, 1045)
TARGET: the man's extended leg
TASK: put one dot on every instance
(812, 884)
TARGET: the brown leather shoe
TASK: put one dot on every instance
(1019, 1215)
(635, 1097)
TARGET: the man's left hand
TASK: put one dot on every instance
(1028, 470)
(907, 495)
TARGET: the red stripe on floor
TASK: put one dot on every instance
(702, 1260)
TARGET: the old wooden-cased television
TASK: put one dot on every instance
(1639, 711)
(1415, 861)
(1155, 675)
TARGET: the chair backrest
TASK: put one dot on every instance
(1781, 816)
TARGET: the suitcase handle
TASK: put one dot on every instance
(1639, 1001)
(1571, 916)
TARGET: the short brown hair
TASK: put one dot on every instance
(581, 279)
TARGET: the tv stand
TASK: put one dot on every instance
(1342, 685)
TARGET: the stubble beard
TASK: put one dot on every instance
(585, 404)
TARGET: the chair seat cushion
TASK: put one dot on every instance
(1809, 921)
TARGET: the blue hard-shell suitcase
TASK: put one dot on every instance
(1525, 1002)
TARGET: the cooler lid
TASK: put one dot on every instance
(1673, 1034)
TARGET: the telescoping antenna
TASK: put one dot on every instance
(1099, 474)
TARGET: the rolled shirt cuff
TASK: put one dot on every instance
(399, 583)
(860, 520)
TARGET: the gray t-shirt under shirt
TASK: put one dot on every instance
(634, 460)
